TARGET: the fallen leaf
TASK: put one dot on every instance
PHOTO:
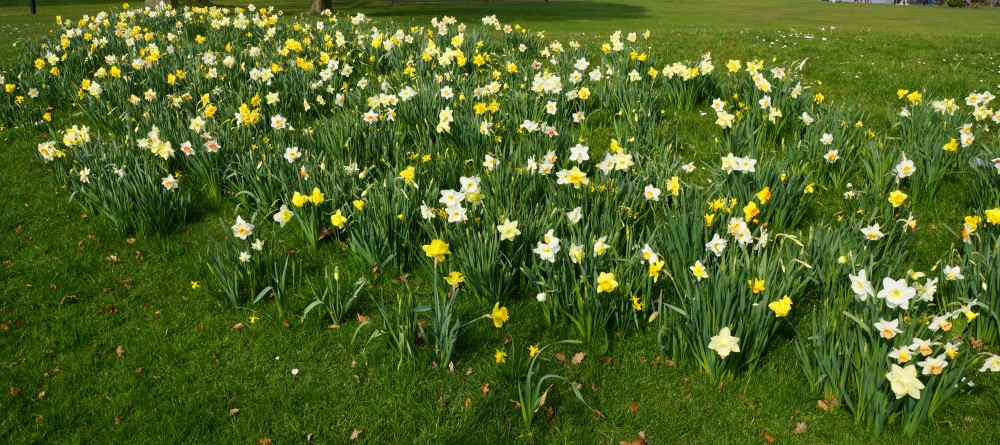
(362, 318)
(113, 258)
(977, 344)
(549, 413)
(599, 414)
(451, 366)
(800, 428)
(119, 351)
(118, 420)
(40, 395)
(284, 323)
(356, 433)
(633, 407)
(333, 326)
(485, 389)
(130, 241)
(15, 390)
(264, 441)
(468, 403)
(234, 412)
(126, 283)
(561, 357)
(441, 400)
(18, 229)
(607, 360)
(578, 358)
(636, 441)
(239, 325)
(827, 403)
(769, 438)
(468, 372)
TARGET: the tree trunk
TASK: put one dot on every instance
(319, 6)
(155, 3)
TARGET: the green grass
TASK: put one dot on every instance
(65, 306)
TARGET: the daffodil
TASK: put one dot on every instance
(606, 282)
(242, 229)
(338, 219)
(508, 230)
(724, 343)
(756, 285)
(283, 215)
(532, 351)
(454, 278)
(896, 198)
(781, 307)
(437, 249)
(500, 356)
(499, 315)
(904, 381)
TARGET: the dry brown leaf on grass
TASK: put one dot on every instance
(827, 403)
(767, 437)
(561, 357)
(578, 358)
(356, 433)
(633, 407)
(234, 412)
(119, 351)
(800, 428)
(485, 389)
(239, 325)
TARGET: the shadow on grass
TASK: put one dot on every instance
(533, 10)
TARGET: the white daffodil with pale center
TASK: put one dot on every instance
(508, 230)
(904, 381)
(896, 293)
(724, 343)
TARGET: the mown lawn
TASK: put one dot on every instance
(104, 340)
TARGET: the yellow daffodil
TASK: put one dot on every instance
(499, 315)
(500, 356)
(337, 219)
(781, 307)
(756, 285)
(454, 278)
(896, 198)
(750, 211)
(655, 268)
(299, 200)
(316, 197)
(437, 249)
(606, 282)
(532, 351)
(764, 195)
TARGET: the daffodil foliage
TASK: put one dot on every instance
(518, 166)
